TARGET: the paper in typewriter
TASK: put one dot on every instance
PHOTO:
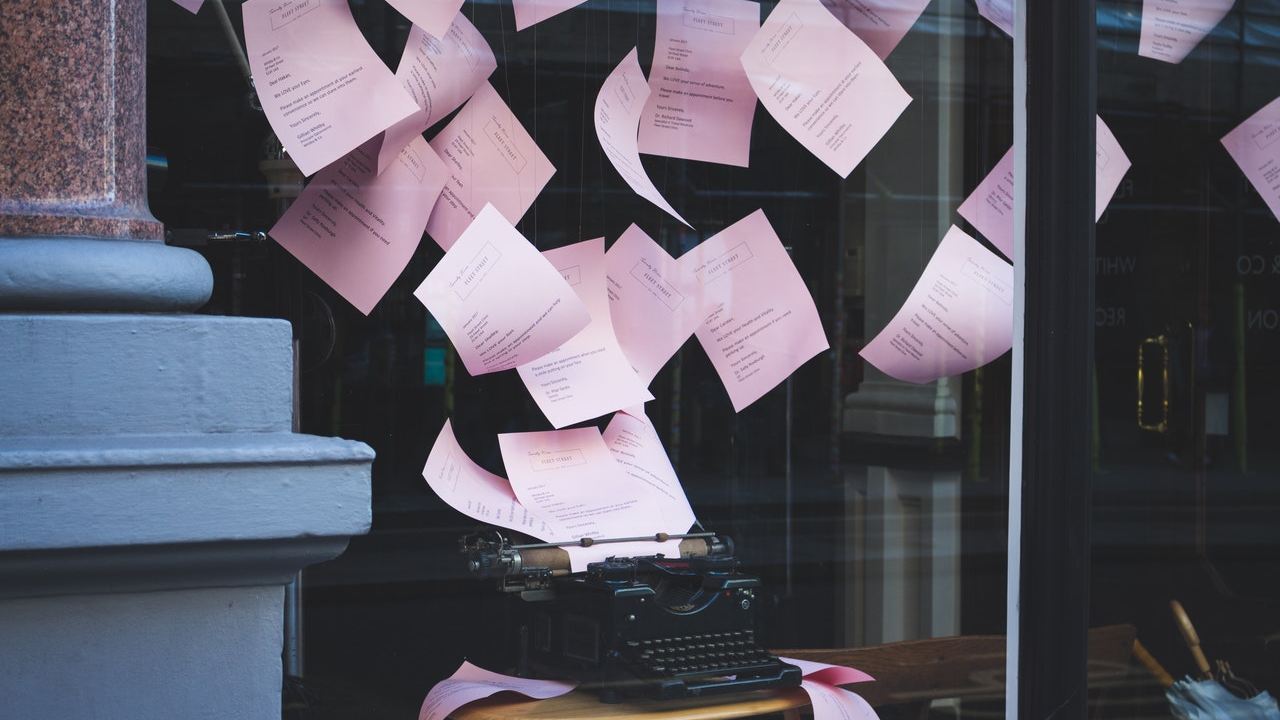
(617, 118)
(323, 89)
(478, 493)
(356, 229)
(498, 299)
(470, 683)
(700, 105)
(1255, 146)
(1171, 29)
(990, 206)
(571, 477)
(635, 444)
(958, 317)
(880, 23)
(441, 72)
(822, 83)
(491, 160)
(652, 302)
(433, 16)
(758, 322)
(587, 376)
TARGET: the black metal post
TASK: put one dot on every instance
(1058, 355)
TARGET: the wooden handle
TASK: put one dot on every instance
(1152, 665)
(1192, 639)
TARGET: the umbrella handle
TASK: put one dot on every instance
(1191, 638)
(1152, 665)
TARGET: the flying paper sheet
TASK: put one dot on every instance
(700, 105)
(434, 16)
(617, 116)
(822, 84)
(635, 444)
(759, 322)
(958, 317)
(999, 12)
(499, 301)
(531, 12)
(831, 702)
(492, 160)
(191, 6)
(323, 89)
(588, 376)
(653, 303)
(1255, 146)
(440, 73)
(1171, 29)
(356, 229)
(470, 683)
(570, 477)
(990, 207)
(478, 493)
(880, 23)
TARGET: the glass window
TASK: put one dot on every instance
(873, 509)
(1187, 282)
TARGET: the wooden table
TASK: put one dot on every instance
(911, 673)
(583, 705)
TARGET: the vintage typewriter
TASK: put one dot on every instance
(652, 626)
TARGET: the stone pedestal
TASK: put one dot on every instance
(153, 498)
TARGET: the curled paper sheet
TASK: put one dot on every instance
(587, 376)
(1171, 29)
(617, 117)
(1255, 146)
(958, 317)
(470, 683)
(822, 83)
(831, 702)
(323, 89)
(499, 300)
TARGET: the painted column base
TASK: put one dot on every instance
(153, 503)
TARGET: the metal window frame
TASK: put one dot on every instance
(1055, 103)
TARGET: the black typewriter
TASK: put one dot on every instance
(653, 627)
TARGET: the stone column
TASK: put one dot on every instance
(153, 498)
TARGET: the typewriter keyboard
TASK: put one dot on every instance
(726, 653)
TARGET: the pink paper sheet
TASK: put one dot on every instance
(990, 206)
(831, 702)
(635, 445)
(356, 229)
(958, 317)
(1255, 146)
(999, 12)
(191, 6)
(700, 104)
(822, 84)
(570, 477)
(440, 73)
(531, 12)
(323, 89)
(828, 674)
(617, 117)
(492, 160)
(478, 493)
(759, 323)
(880, 23)
(653, 303)
(434, 16)
(588, 376)
(470, 683)
(499, 301)
(1171, 29)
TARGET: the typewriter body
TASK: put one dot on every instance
(653, 626)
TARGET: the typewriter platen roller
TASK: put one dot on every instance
(636, 626)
